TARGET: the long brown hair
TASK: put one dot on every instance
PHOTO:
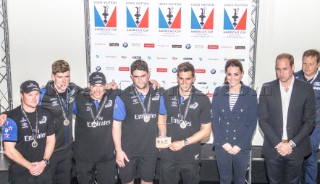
(233, 63)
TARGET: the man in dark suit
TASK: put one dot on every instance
(286, 117)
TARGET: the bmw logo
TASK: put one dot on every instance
(188, 46)
(98, 68)
(174, 70)
(213, 71)
(125, 44)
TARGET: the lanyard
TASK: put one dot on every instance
(145, 110)
(99, 110)
(33, 131)
(180, 116)
(65, 107)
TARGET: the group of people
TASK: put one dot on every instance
(116, 130)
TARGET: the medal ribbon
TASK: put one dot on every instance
(99, 110)
(145, 110)
(187, 107)
(65, 107)
(34, 132)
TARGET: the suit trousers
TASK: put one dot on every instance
(285, 169)
(232, 165)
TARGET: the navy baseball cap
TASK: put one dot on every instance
(28, 86)
(97, 78)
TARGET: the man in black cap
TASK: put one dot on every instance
(29, 138)
(93, 147)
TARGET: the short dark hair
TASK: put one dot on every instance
(139, 65)
(60, 66)
(185, 67)
(287, 56)
(312, 53)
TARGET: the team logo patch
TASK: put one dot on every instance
(71, 99)
(174, 104)
(24, 125)
(43, 120)
(54, 103)
(109, 104)
(135, 101)
(155, 98)
(194, 105)
(316, 83)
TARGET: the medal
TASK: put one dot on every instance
(66, 122)
(146, 110)
(183, 124)
(94, 124)
(182, 117)
(146, 118)
(35, 131)
(34, 144)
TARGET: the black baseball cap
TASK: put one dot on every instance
(28, 86)
(97, 78)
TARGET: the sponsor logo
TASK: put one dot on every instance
(123, 68)
(235, 18)
(174, 70)
(98, 68)
(170, 16)
(114, 44)
(110, 68)
(136, 45)
(200, 70)
(188, 46)
(162, 69)
(148, 45)
(105, 16)
(213, 71)
(177, 46)
(240, 47)
(213, 46)
(125, 44)
(136, 57)
(187, 58)
(202, 17)
(137, 15)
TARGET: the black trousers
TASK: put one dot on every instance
(285, 169)
(61, 166)
(43, 178)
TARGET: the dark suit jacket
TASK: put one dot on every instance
(301, 117)
(235, 127)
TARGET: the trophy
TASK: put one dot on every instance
(170, 16)
(235, 16)
(202, 16)
(105, 14)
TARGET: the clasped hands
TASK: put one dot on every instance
(284, 149)
(233, 150)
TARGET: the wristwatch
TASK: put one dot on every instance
(46, 161)
(185, 142)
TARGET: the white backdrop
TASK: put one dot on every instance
(42, 31)
(165, 33)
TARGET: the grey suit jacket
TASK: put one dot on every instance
(301, 117)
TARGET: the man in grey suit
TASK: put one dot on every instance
(286, 117)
